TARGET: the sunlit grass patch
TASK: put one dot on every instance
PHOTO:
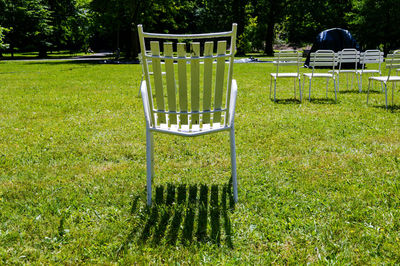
(319, 181)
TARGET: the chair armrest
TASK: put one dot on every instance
(232, 102)
(145, 99)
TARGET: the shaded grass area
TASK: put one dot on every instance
(182, 217)
(319, 182)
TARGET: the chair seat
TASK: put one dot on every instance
(284, 75)
(196, 130)
(318, 75)
(384, 78)
(344, 71)
(368, 71)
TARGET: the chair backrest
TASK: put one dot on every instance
(287, 58)
(350, 57)
(191, 91)
(323, 58)
(393, 61)
(371, 57)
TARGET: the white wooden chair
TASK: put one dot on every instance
(392, 63)
(281, 60)
(194, 102)
(322, 58)
(349, 57)
(369, 57)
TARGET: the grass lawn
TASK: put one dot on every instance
(318, 182)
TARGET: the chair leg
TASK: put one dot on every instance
(327, 83)
(270, 88)
(275, 90)
(301, 96)
(304, 78)
(149, 162)
(338, 82)
(352, 81)
(369, 84)
(309, 90)
(334, 86)
(393, 88)
(359, 82)
(386, 102)
(294, 87)
(233, 164)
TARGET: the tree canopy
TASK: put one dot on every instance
(47, 25)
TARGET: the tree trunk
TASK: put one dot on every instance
(269, 37)
(239, 14)
(134, 40)
(42, 52)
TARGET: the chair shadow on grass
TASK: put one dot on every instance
(356, 91)
(184, 214)
(323, 101)
(287, 101)
(392, 108)
(372, 91)
(347, 91)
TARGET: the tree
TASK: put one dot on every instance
(376, 23)
(269, 13)
(29, 21)
(116, 20)
(305, 19)
(3, 45)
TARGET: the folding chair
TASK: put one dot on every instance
(392, 62)
(281, 60)
(369, 57)
(322, 58)
(348, 60)
(188, 112)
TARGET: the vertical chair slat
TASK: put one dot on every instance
(183, 100)
(157, 73)
(195, 82)
(219, 80)
(170, 76)
(208, 64)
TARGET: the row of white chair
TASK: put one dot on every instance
(336, 63)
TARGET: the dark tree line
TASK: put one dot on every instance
(47, 25)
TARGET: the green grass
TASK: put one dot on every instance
(319, 182)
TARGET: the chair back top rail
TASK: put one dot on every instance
(188, 79)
